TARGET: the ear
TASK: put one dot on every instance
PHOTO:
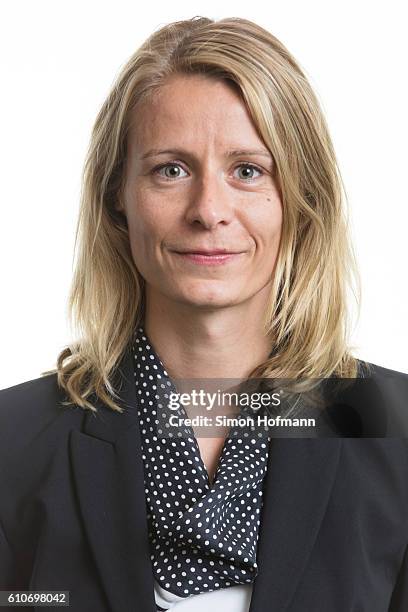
(119, 205)
(119, 199)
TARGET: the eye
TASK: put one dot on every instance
(167, 176)
(174, 169)
(251, 168)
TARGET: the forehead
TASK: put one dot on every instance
(190, 108)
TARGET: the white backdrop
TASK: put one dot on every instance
(58, 61)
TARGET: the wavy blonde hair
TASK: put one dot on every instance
(307, 317)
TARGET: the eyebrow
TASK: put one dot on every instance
(230, 153)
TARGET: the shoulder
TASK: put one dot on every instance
(40, 398)
(388, 385)
(373, 405)
(33, 412)
(374, 371)
(37, 388)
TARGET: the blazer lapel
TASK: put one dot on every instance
(108, 475)
(299, 480)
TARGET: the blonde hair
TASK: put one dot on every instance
(307, 318)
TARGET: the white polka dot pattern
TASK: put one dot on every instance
(202, 537)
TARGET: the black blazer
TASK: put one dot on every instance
(334, 524)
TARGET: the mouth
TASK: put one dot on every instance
(209, 258)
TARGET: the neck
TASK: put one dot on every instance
(201, 343)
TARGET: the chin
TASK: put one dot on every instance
(209, 298)
(202, 293)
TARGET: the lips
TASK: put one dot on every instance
(208, 257)
(207, 252)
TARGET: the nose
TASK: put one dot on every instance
(210, 203)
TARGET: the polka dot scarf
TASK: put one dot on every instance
(202, 537)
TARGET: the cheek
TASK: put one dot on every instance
(149, 224)
(276, 226)
(145, 217)
(266, 223)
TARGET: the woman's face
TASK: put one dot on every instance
(199, 179)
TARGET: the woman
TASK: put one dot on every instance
(213, 245)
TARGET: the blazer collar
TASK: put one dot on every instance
(109, 480)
